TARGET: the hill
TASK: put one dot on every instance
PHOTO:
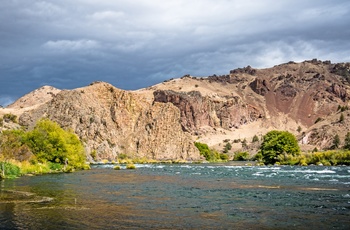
(163, 121)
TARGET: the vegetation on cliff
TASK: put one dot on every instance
(45, 148)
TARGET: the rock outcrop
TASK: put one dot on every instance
(198, 111)
(112, 122)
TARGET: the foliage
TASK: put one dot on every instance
(223, 157)
(241, 156)
(117, 167)
(10, 117)
(276, 143)
(347, 141)
(318, 120)
(49, 142)
(244, 143)
(93, 154)
(336, 142)
(122, 156)
(130, 166)
(341, 118)
(1, 121)
(299, 129)
(326, 158)
(227, 147)
(9, 170)
(255, 138)
(12, 146)
(209, 154)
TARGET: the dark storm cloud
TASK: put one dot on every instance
(134, 44)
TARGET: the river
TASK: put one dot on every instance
(180, 196)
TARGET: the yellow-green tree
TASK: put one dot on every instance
(49, 142)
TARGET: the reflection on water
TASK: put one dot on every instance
(180, 196)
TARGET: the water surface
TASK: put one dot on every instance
(180, 197)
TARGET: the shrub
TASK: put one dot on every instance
(223, 157)
(122, 156)
(255, 138)
(1, 121)
(336, 142)
(318, 120)
(347, 141)
(209, 154)
(10, 117)
(117, 167)
(9, 170)
(130, 166)
(241, 156)
(227, 147)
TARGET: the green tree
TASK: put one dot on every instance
(49, 142)
(347, 141)
(276, 143)
(341, 118)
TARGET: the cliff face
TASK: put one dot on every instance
(164, 120)
(198, 111)
(112, 121)
(283, 97)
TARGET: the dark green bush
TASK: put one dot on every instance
(241, 156)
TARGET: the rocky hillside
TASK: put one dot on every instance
(164, 120)
(111, 122)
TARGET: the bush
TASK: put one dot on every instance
(122, 156)
(276, 143)
(9, 170)
(223, 157)
(227, 147)
(347, 141)
(117, 167)
(241, 156)
(130, 166)
(255, 138)
(10, 117)
(318, 120)
(209, 154)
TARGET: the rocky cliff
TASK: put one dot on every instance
(111, 122)
(163, 121)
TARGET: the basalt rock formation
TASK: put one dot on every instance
(110, 122)
(163, 121)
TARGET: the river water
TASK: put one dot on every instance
(156, 196)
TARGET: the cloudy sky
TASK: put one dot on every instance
(137, 43)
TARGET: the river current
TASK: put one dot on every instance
(180, 196)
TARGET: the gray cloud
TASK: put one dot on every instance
(134, 44)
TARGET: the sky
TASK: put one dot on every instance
(134, 44)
